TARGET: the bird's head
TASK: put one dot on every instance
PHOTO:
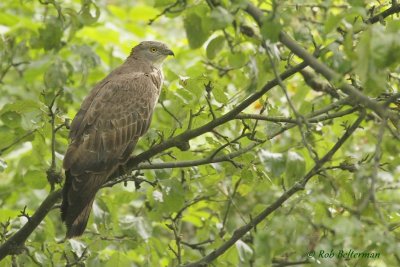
(152, 51)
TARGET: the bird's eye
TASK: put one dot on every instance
(153, 50)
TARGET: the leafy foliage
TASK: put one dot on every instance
(226, 144)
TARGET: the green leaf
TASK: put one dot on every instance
(50, 36)
(332, 22)
(21, 106)
(193, 219)
(6, 136)
(77, 247)
(377, 51)
(245, 252)
(11, 118)
(35, 179)
(295, 167)
(219, 94)
(174, 198)
(360, 3)
(270, 30)
(237, 60)
(163, 3)
(244, 189)
(264, 247)
(393, 26)
(274, 162)
(230, 257)
(143, 13)
(195, 32)
(6, 214)
(195, 85)
(348, 46)
(85, 15)
(41, 257)
(118, 259)
(87, 55)
(220, 18)
(8, 19)
(3, 165)
(215, 46)
(57, 74)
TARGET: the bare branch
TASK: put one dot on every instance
(312, 117)
(240, 232)
(198, 246)
(242, 116)
(300, 120)
(311, 80)
(193, 163)
(16, 242)
(52, 175)
(395, 8)
(170, 9)
(192, 133)
(171, 114)
(357, 96)
(16, 141)
(24, 214)
(208, 88)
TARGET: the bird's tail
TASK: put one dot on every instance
(76, 204)
(76, 226)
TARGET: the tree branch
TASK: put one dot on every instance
(170, 9)
(53, 176)
(315, 119)
(240, 232)
(20, 236)
(193, 163)
(15, 243)
(192, 133)
(395, 8)
(16, 141)
(18, 239)
(330, 75)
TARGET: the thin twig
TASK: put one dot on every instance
(14, 244)
(234, 141)
(132, 163)
(395, 8)
(16, 141)
(300, 120)
(170, 9)
(52, 176)
(197, 246)
(171, 114)
(228, 208)
(240, 232)
(356, 95)
(193, 163)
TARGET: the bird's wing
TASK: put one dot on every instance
(105, 131)
(110, 121)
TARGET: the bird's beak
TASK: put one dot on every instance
(170, 53)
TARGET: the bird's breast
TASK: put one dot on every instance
(157, 78)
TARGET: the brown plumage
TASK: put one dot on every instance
(107, 127)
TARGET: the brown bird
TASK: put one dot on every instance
(107, 127)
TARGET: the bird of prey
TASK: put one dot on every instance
(104, 132)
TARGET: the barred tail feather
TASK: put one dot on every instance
(76, 226)
(77, 202)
